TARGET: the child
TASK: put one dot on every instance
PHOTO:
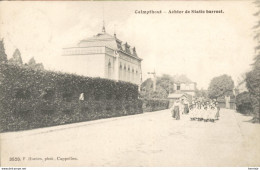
(205, 113)
(212, 113)
(192, 112)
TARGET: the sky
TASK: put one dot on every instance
(199, 45)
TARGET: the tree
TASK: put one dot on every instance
(253, 77)
(221, 86)
(201, 93)
(16, 59)
(31, 62)
(243, 103)
(3, 56)
(146, 88)
(164, 86)
(36, 66)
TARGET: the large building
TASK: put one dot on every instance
(105, 56)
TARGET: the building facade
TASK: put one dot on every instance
(105, 56)
(185, 87)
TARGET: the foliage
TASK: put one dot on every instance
(220, 86)
(253, 86)
(253, 77)
(3, 56)
(32, 64)
(150, 105)
(243, 103)
(37, 98)
(16, 59)
(201, 93)
(164, 86)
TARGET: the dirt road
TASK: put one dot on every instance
(149, 139)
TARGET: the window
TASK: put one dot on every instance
(128, 74)
(109, 70)
(120, 72)
(124, 78)
(137, 77)
(178, 87)
(133, 75)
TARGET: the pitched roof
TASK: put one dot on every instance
(101, 39)
(110, 41)
(175, 95)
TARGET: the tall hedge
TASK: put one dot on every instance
(150, 105)
(243, 103)
(35, 98)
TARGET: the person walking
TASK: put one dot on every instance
(176, 110)
(186, 107)
(218, 109)
(172, 111)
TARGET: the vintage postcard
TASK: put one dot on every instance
(129, 83)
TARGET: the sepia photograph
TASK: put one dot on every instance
(130, 83)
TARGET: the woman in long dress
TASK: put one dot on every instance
(192, 112)
(177, 110)
(212, 113)
(218, 109)
(172, 111)
(206, 113)
(186, 107)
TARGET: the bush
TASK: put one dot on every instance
(150, 105)
(243, 103)
(37, 98)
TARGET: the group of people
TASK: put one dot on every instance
(207, 111)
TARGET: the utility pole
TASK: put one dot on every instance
(154, 79)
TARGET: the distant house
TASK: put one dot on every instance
(183, 88)
(179, 96)
(182, 84)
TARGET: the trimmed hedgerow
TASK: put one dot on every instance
(35, 98)
(150, 105)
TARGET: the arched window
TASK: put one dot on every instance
(124, 78)
(128, 74)
(133, 75)
(120, 71)
(109, 70)
(137, 77)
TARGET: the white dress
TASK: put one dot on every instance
(205, 114)
(213, 112)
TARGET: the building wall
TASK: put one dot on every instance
(102, 62)
(185, 86)
(110, 63)
(87, 65)
(129, 69)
